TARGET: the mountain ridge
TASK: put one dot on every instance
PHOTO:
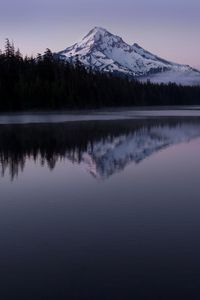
(105, 52)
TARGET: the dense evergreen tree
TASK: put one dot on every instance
(46, 82)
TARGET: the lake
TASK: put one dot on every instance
(98, 208)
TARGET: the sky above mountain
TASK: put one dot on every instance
(168, 28)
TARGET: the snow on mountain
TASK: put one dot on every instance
(106, 52)
(110, 156)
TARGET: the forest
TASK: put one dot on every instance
(46, 82)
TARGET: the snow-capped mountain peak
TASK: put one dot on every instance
(106, 52)
(96, 33)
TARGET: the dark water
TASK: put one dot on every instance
(100, 210)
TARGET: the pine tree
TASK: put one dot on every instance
(9, 48)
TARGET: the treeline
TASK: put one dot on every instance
(47, 82)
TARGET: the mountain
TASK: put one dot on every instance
(105, 52)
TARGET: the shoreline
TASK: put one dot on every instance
(125, 113)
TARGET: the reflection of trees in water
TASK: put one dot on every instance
(49, 143)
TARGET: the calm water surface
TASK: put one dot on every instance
(100, 210)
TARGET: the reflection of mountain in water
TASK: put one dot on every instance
(109, 157)
(103, 148)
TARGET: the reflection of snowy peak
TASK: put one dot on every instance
(106, 52)
(108, 157)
